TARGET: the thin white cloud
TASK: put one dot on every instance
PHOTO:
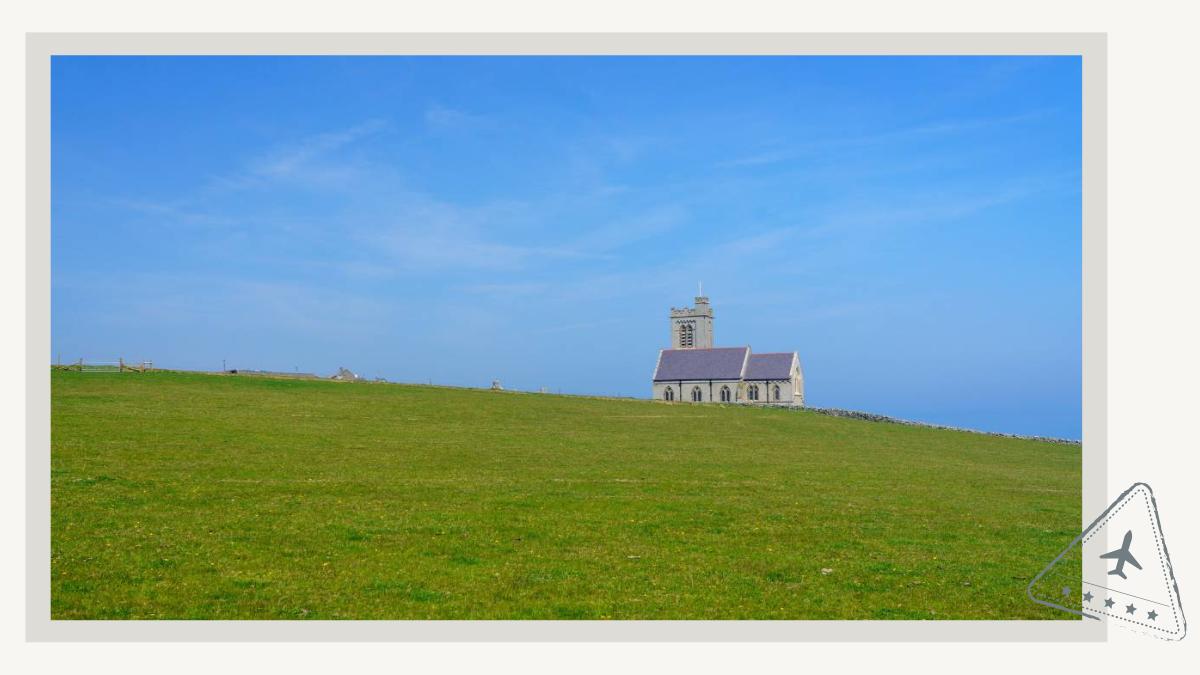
(624, 232)
(757, 243)
(395, 229)
(171, 214)
(288, 159)
(520, 288)
(299, 161)
(194, 299)
(440, 117)
(789, 151)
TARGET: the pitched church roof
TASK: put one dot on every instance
(721, 363)
(777, 366)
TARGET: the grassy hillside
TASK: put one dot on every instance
(202, 496)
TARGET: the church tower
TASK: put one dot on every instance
(692, 327)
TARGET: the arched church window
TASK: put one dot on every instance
(697, 396)
(752, 392)
(687, 335)
(668, 394)
(776, 392)
(726, 397)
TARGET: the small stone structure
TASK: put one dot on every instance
(345, 375)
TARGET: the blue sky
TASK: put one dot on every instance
(910, 225)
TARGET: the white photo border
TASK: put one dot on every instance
(40, 47)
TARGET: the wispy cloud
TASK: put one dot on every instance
(581, 326)
(934, 205)
(167, 213)
(183, 298)
(300, 161)
(626, 148)
(758, 242)
(442, 118)
(305, 161)
(393, 227)
(414, 232)
(288, 159)
(623, 232)
(417, 251)
(788, 151)
(514, 289)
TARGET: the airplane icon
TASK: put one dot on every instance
(1122, 555)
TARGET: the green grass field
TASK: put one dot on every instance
(196, 496)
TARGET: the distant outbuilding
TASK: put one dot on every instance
(345, 375)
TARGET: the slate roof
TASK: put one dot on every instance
(770, 366)
(721, 363)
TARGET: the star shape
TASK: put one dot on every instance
(1130, 609)
(1108, 602)
(1152, 615)
(1087, 597)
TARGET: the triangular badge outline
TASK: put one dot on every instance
(1172, 587)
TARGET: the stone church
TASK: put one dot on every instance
(694, 370)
